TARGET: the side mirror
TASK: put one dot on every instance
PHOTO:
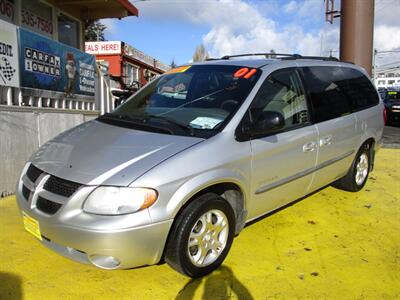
(117, 93)
(266, 123)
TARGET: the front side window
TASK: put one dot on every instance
(193, 100)
(282, 92)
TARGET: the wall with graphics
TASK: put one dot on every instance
(9, 64)
(50, 65)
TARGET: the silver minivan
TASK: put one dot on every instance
(178, 170)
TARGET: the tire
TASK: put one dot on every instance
(357, 176)
(209, 223)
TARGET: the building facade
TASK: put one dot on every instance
(125, 63)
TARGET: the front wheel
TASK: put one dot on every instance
(201, 236)
(358, 173)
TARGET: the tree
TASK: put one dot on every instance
(94, 31)
(200, 54)
(271, 55)
(173, 64)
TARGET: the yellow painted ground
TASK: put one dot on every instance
(331, 245)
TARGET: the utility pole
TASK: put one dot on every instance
(356, 32)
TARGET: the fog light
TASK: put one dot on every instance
(104, 262)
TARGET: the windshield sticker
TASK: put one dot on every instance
(245, 73)
(240, 73)
(251, 73)
(205, 122)
(179, 70)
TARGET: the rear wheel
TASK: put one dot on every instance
(358, 173)
(201, 236)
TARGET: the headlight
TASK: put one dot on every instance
(108, 200)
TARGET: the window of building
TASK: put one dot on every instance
(7, 10)
(131, 73)
(68, 31)
(37, 17)
(281, 92)
(381, 82)
(327, 89)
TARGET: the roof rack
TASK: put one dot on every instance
(267, 55)
(331, 58)
(281, 55)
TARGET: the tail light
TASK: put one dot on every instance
(384, 115)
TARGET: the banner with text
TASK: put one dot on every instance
(49, 65)
(9, 70)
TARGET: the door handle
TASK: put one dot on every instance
(309, 147)
(325, 141)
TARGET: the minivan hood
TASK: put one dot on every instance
(96, 153)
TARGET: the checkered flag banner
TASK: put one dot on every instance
(6, 69)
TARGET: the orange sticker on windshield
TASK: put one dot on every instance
(179, 70)
(239, 73)
(251, 73)
(245, 73)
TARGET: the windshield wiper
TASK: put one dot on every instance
(183, 126)
(137, 122)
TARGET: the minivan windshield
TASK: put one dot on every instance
(192, 100)
(393, 95)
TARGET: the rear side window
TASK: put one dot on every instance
(361, 93)
(327, 87)
(336, 91)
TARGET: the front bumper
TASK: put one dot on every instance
(132, 239)
(393, 114)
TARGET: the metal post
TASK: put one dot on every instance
(20, 97)
(9, 96)
(102, 105)
(356, 32)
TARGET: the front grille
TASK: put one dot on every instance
(33, 173)
(47, 206)
(61, 187)
(26, 192)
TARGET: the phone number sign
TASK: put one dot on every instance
(36, 23)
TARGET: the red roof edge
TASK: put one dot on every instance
(132, 10)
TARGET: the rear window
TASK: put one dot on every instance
(338, 91)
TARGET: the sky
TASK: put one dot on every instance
(171, 29)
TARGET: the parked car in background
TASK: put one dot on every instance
(391, 100)
(177, 170)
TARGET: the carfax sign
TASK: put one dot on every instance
(9, 70)
(50, 65)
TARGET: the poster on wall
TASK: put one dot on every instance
(49, 65)
(9, 70)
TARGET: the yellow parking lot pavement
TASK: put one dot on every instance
(330, 245)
